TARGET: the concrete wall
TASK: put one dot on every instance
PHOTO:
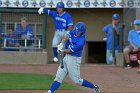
(23, 57)
(95, 19)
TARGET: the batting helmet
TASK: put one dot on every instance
(60, 5)
(116, 16)
(80, 28)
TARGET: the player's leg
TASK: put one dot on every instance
(74, 72)
(108, 57)
(61, 73)
(126, 52)
(116, 51)
(55, 42)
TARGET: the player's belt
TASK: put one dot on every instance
(60, 30)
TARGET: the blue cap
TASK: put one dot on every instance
(80, 28)
(137, 22)
(116, 16)
(60, 5)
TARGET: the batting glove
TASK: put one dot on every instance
(60, 50)
(41, 10)
(60, 46)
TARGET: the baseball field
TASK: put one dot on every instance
(36, 79)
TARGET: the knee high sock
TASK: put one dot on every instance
(88, 84)
(55, 52)
(54, 86)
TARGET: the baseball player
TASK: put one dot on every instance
(63, 23)
(74, 42)
(134, 41)
(108, 29)
(25, 30)
(10, 39)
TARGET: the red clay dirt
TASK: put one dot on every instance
(111, 79)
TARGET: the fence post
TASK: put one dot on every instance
(0, 28)
(121, 38)
(113, 45)
(44, 21)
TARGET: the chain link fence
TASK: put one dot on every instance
(21, 31)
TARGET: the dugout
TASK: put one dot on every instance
(95, 51)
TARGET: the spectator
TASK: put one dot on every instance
(108, 29)
(24, 32)
(10, 40)
(134, 40)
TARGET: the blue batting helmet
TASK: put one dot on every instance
(116, 16)
(60, 5)
(80, 28)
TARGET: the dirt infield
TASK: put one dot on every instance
(110, 78)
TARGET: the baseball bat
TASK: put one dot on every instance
(61, 60)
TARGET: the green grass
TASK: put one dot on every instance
(27, 81)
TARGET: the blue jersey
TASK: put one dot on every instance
(109, 29)
(75, 44)
(26, 31)
(62, 22)
(9, 39)
(134, 37)
(21, 32)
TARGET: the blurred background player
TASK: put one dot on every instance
(108, 29)
(75, 41)
(11, 40)
(134, 41)
(24, 31)
(63, 23)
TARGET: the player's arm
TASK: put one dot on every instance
(105, 30)
(116, 30)
(131, 41)
(46, 11)
(131, 44)
(60, 46)
(66, 37)
(67, 51)
(30, 31)
(69, 23)
(105, 34)
(136, 48)
(73, 48)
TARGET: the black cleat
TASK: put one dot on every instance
(97, 89)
